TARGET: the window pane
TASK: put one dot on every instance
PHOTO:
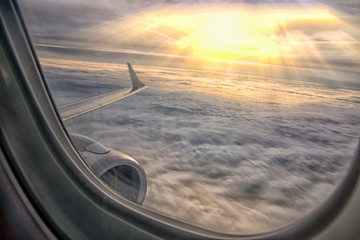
(251, 113)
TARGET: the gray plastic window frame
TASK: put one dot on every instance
(72, 201)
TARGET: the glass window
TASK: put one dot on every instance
(251, 113)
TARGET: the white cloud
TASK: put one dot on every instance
(227, 163)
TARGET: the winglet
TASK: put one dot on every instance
(136, 84)
(78, 108)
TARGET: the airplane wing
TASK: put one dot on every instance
(75, 109)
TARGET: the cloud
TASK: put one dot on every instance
(214, 156)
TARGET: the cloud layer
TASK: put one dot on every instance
(225, 151)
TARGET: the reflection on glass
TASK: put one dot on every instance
(250, 117)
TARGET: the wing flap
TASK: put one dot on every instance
(81, 107)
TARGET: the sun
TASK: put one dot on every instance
(223, 35)
(226, 36)
(229, 33)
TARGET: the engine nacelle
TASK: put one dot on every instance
(117, 169)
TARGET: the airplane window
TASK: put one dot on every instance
(235, 116)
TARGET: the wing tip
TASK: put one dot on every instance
(136, 83)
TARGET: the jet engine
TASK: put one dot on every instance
(118, 170)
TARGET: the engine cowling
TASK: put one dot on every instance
(117, 169)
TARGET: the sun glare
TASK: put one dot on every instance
(231, 32)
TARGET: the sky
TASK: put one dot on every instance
(201, 33)
(251, 111)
